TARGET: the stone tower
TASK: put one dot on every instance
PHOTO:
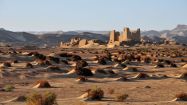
(127, 36)
(114, 37)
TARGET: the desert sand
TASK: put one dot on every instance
(149, 75)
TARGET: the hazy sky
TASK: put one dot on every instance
(50, 15)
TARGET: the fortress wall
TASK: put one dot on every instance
(127, 35)
(117, 36)
(112, 35)
(136, 35)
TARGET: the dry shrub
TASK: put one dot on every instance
(142, 75)
(38, 99)
(54, 59)
(183, 75)
(83, 72)
(168, 62)
(134, 69)
(15, 61)
(182, 60)
(39, 56)
(182, 96)
(102, 61)
(44, 63)
(7, 64)
(29, 65)
(173, 65)
(101, 71)
(64, 55)
(53, 68)
(75, 58)
(159, 65)
(147, 60)
(43, 84)
(65, 62)
(123, 64)
(82, 78)
(8, 88)
(95, 94)
(34, 99)
(81, 63)
(124, 79)
(121, 97)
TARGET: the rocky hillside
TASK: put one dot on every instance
(178, 34)
(50, 38)
(18, 37)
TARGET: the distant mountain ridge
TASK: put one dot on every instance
(49, 38)
(178, 34)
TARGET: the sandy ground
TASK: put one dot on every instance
(149, 91)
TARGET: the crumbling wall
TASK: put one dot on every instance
(83, 42)
(77, 42)
(126, 36)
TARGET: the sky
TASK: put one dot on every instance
(100, 15)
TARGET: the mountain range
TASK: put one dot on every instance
(178, 34)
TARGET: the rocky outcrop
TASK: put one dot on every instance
(178, 35)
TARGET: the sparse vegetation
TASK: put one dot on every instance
(8, 88)
(48, 98)
(54, 59)
(81, 63)
(129, 69)
(7, 64)
(102, 61)
(83, 72)
(42, 84)
(142, 75)
(159, 65)
(82, 78)
(29, 65)
(53, 68)
(95, 94)
(121, 97)
(181, 96)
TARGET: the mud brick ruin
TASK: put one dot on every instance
(127, 37)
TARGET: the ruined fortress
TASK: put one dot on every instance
(126, 37)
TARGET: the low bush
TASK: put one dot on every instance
(48, 98)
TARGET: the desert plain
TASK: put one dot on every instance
(147, 75)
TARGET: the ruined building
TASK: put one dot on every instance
(126, 37)
(81, 43)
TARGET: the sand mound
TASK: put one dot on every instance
(42, 84)
(141, 76)
(185, 66)
(81, 79)
(103, 73)
(71, 73)
(121, 79)
(85, 95)
(17, 99)
(181, 97)
(118, 66)
(131, 69)
(182, 76)
(83, 72)
(5, 65)
(53, 69)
